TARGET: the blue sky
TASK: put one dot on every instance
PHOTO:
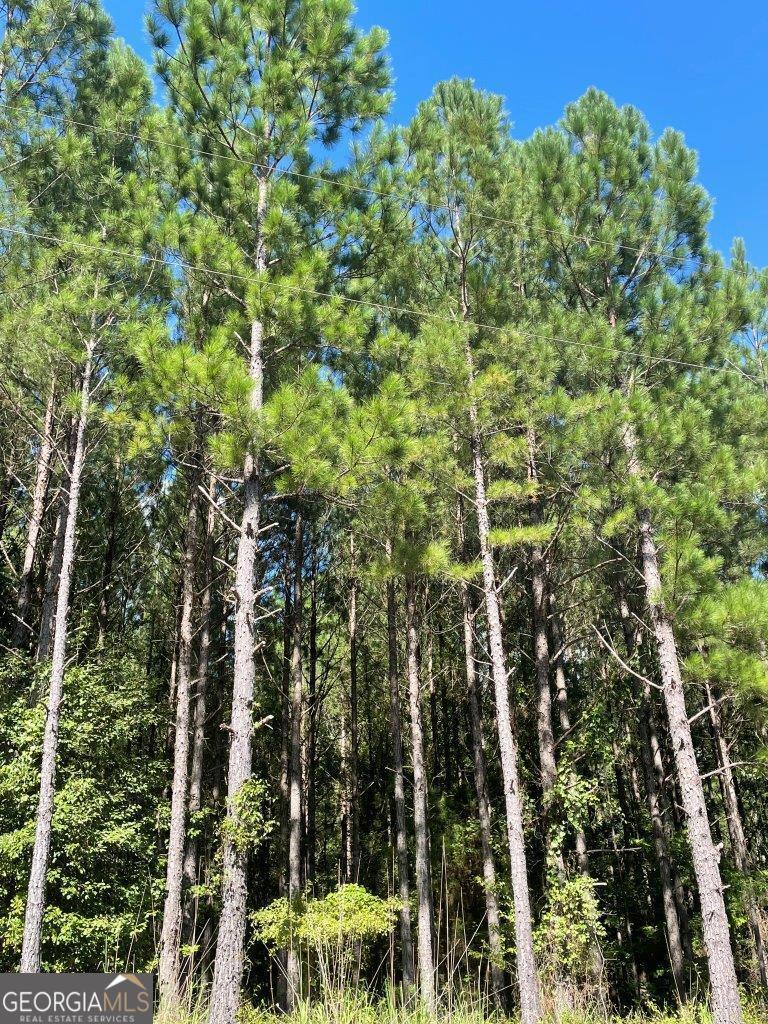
(699, 67)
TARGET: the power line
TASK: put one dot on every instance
(369, 303)
(639, 251)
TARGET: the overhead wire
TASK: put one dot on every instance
(371, 303)
(412, 196)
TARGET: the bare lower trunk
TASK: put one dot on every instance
(545, 732)
(401, 835)
(109, 557)
(42, 480)
(228, 971)
(294, 775)
(658, 813)
(313, 714)
(169, 966)
(353, 853)
(493, 919)
(420, 808)
(726, 1006)
(564, 717)
(33, 920)
(527, 976)
(739, 849)
(191, 869)
(53, 575)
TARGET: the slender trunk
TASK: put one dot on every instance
(6, 491)
(527, 976)
(544, 729)
(195, 802)
(33, 920)
(493, 918)
(294, 777)
(53, 575)
(285, 732)
(657, 812)
(42, 480)
(110, 550)
(739, 849)
(564, 716)
(726, 1005)
(545, 732)
(420, 809)
(353, 854)
(170, 730)
(228, 971)
(169, 967)
(313, 710)
(401, 835)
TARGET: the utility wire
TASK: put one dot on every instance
(411, 198)
(369, 303)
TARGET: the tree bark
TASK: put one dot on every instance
(739, 849)
(33, 920)
(113, 513)
(195, 803)
(527, 976)
(42, 480)
(53, 575)
(295, 777)
(228, 971)
(726, 1005)
(169, 966)
(564, 715)
(545, 732)
(401, 835)
(353, 854)
(658, 815)
(313, 712)
(420, 807)
(493, 919)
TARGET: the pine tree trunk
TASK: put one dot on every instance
(544, 730)
(42, 480)
(353, 852)
(420, 807)
(726, 1006)
(493, 919)
(191, 866)
(527, 976)
(109, 557)
(228, 971)
(564, 718)
(313, 713)
(33, 920)
(53, 575)
(295, 775)
(401, 835)
(657, 812)
(169, 966)
(739, 849)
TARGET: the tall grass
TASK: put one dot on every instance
(358, 1007)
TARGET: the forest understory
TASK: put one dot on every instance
(383, 538)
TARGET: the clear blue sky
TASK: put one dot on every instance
(700, 67)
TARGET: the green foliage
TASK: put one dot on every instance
(247, 826)
(102, 878)
(571, 933)
(344, 917)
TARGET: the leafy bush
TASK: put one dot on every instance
(333, 929)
